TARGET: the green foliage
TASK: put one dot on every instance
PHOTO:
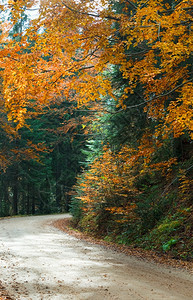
(172, 234)
(161, 219)
(168, 245)
(76, 209)
(88, 224)
(43, 165)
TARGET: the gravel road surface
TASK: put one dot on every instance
(38, 261)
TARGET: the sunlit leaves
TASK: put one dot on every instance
(109, 182)
(65, 53)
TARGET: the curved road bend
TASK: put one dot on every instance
(38, 261)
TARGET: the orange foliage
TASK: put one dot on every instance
(185, 187)
(64, 54)
(110, 184)
(69, 45)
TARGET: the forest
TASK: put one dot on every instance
(96, 117)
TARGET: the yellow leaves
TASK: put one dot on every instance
(17, 7)
(110, 180)
(5, 28)
(160, 70)
(123, 213)
(165, 167)
(71, 49)
(180, 113)
(186, 185)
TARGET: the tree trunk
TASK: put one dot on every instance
(33, 201)
(28, 200)
(15, 195)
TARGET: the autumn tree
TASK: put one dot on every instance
(160, 31)
(128, 62)
(141, 84)
(34, 153)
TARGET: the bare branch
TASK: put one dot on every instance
(131, 3)
(156, 97)
(89, 14)
(61, 75)
(162, 95)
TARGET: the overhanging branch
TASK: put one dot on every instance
(89, 14)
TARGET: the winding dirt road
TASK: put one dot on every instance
(39, 261)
